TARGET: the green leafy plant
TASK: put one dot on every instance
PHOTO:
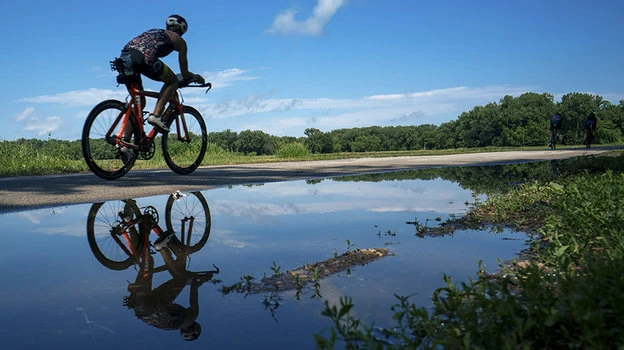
(566, 294)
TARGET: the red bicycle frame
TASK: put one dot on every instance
(135, 106)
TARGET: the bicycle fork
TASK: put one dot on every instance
(183, 232)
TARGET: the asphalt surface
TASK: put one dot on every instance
(31, 192)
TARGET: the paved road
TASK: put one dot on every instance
(30, 192)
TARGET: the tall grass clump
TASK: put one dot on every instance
(292, 151)
(23, 158)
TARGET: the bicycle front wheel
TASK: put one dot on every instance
(100, 148)
(108, 233)
(184, 146)
(188, 216)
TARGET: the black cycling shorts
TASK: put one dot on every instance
(155, 70)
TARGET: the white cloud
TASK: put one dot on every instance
(281, 116)
(227, 77)
(25, 114)
(88, 97)
(91, 97)
(31, 121)
(285, 22)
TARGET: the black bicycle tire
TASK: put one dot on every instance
(206, 210)
(589, 135)
(86, 140)
(178, 169)
(117, 265)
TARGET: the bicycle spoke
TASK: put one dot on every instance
(189, 217)
(100, 149)
(185, 144)
(110, 238)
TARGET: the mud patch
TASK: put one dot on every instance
(299, 277)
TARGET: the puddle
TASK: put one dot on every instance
(59, 292)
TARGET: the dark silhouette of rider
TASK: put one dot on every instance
(590, 124)
(156, 307)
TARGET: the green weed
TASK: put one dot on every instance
(567, 296)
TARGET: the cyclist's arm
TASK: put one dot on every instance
(179, 45)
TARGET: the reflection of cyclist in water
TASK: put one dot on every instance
(156, 307)
(119, 237)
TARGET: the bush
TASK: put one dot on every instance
(292, 150)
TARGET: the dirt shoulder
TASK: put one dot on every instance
(31, 192)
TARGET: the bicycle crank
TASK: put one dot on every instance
(149, 153)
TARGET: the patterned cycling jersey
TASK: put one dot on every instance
(166, 317)
(153, 44)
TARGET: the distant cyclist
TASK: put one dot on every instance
(142, 56)
(555, 127)
(590, 128)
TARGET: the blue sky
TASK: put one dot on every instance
(284, 66)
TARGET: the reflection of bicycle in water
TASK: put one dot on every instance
(119, 237)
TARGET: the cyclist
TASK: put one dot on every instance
(589, 127)
(555, 126)
(156, 307)
(142, 56)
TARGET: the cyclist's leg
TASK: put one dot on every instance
(175, 265)
(171, 84)
(138, 66)
(159, 71)
(128, 132)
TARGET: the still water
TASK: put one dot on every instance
(57, 293)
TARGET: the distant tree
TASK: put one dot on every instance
(480, 126)
(574, 108)
(366, 143)
(258, 142)
(225, 139)
(318, 141)
(448, 135)
(526, 119)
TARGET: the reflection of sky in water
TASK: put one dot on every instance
(51, 275)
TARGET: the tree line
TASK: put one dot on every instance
(512, 122)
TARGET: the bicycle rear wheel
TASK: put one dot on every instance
(100, 149)
(104, 221)
(588, 138)
(184, 146)
(188, 216)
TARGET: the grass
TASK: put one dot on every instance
(566, 293)
(18, 159)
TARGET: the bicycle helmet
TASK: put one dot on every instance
(191, 332)
(177, 23)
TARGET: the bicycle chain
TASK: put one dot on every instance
(149, 154)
